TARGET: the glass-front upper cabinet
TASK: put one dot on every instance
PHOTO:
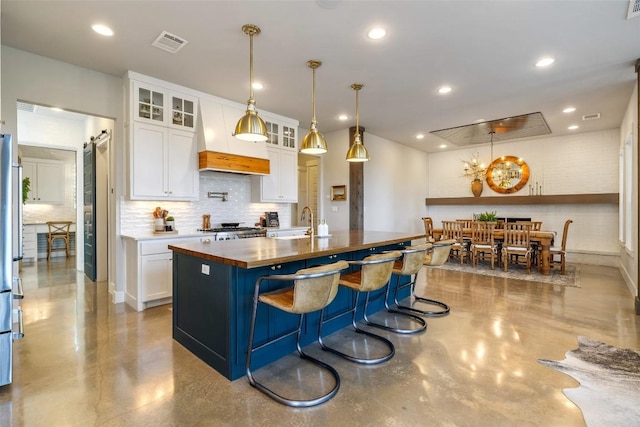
(273, 133)
(155, 104)
(183, 111)
(149, 103)
(288, 137)
(281, 135)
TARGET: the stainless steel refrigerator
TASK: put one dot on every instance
(10, 255)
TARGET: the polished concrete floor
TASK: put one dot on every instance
(85, 361)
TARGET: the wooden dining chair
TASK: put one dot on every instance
(557, 255)
(516, 246)
(453, 230)
(482, 242)
(535, 247)
(428, 228)
(58, 230)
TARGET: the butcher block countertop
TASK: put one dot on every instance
(261, 251)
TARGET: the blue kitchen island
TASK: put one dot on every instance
(213, 285)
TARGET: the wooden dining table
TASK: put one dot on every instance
(544, 238)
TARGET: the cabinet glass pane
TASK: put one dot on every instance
(188, 120)
(188, 107)
(144, 103)
(177, 118)
(144, 95)
(157, 99)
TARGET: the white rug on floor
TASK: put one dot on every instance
(609, 391)
(519, 272)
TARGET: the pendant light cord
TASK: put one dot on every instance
(313, 95)
(251, 66)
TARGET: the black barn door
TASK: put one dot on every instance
(89, 191)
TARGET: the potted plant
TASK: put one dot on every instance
(489, 216)
(26, 188)
(476, 171)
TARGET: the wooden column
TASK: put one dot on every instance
(637, 148)
(356, 186)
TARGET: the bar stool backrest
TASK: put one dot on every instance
(413, 258)
(314, 293)
(439, 253)
(376, 270)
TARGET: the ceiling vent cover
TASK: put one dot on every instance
(592, 116)
(169, 42)
(634, 9)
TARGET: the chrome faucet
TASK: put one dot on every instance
(304, 210)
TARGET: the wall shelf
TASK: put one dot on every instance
(556, 199)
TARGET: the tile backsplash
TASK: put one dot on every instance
(137, 217)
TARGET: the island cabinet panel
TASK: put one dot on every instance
(201, 309)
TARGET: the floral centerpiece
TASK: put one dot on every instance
(476, 171)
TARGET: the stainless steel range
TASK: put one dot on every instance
(232, 233)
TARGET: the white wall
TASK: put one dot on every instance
(334, 170)
(395, 184)
(629, 260)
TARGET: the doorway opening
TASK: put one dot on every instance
(51, 147)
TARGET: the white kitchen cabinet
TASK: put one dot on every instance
(29, 243)
(164, 164)
(46, 180)
(161, 106)
(149, 270)
(281, 185)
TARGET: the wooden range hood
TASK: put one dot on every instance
(219, 150)
(222, 162)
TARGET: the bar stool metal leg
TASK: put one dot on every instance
(353, 358)
(432, 313)
(375, 272)
(439, 255)
(422, 325)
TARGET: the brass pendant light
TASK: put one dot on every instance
(357, 152)
(250, 127)
(314, 142)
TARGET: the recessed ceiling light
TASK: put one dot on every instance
(103, 30)
(257, 85)
(376, 33)
(569, 110)
(420, 136)
(545, 62)
(343, 117)
(444, 89)
(56, 109)
(443, 145)
(573, 127)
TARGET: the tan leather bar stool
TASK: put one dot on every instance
(374, 273)
(313, 289)
(438, 255)
(410, 264)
